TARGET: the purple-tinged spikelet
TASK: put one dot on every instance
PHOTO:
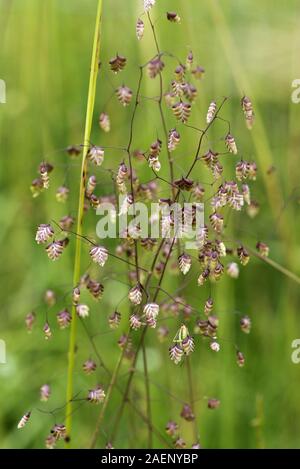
(96, 395)
(117, 63)
(24, 420)
(99, 255)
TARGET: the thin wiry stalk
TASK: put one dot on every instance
(148, 399)
(83, 175)
(192, 398)
(106, 401)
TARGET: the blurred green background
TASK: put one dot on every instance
(249, 47)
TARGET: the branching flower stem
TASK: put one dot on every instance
(83, 176)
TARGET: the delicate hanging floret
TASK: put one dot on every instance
(55, 250)
(82, 310)
(151, 311)
(139, 29)
(117, 63)
(173, 17)
(59, 431)
(245, 324)
(230, 144)
(63, 318)
(213, 403)
(95, 288)
(148, 4)
(90, 186)
(45, 392)
(187, 413)
(44, 233)
(155, 67)
(30, 320)
(190, 92)
(184, 263)
(171, 428)
(211, 112)
(263, 249)
(176, 353)
(135, 294)
(96, 155)
(215, 346)
(135, 322)
(104, 122)
(243, 255)
(203, 277)
(45, 169)
(153, 155)
(240, 359)
(24, 420)
(89, 366)
(252, 171)
(179, 73)
(99, 254)
(188, 345)
(217, 221)
(96, 395)
(127, 202)
(248, 111)
(50, 298)
(208, 307)
(242, 170)
(66, 222)
(47, 331)
(233, 270)
(198, 72)
(62, 194)
(36, 187)
(189, 60)
(173, 140)
(246, 193)
(124, 95)
(181, 111)
(114, 320)
(50, 442)
(121, 178)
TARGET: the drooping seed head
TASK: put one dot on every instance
(62, 194)
(135, 294)
(63, 318)
(114, 320)
(24, 420)
(213, 403)
(245, 324)
(173, 17)
(44, 233)
(96, 155)
(82, 310)
(184, 263)
(104, 122)
(139, 29)
(45, 392)
(176, 353)
(96, 395)
(99, 255)
(187, 413)
(30, 320)
(124, 95)
(117, 63)
(211, 112)
(89, 366)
